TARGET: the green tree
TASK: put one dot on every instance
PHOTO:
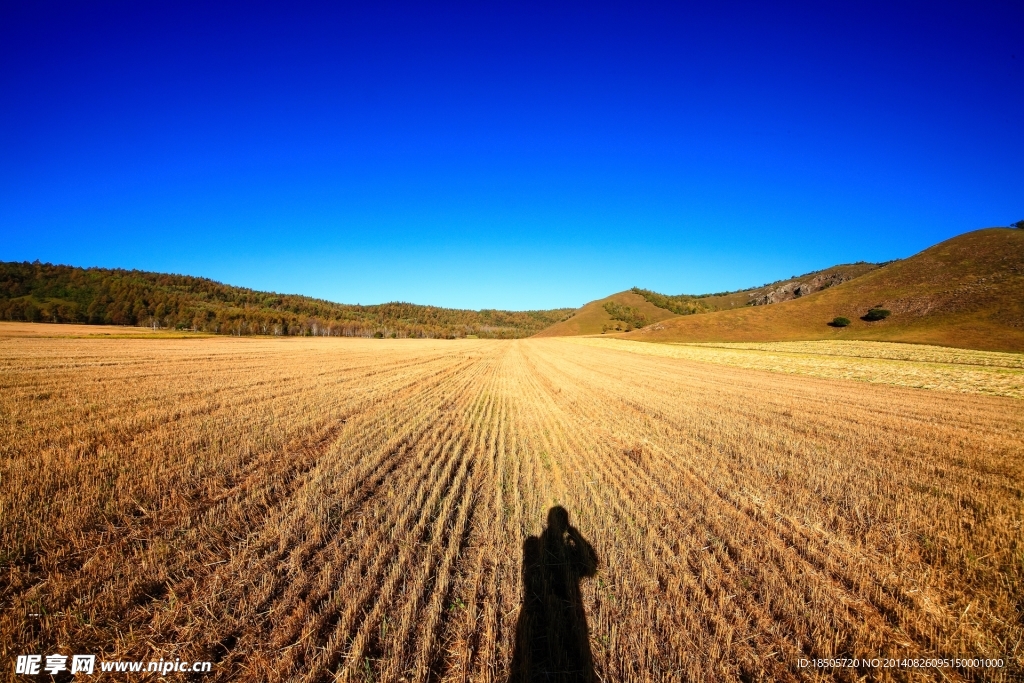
(630, 315)
(125, 297)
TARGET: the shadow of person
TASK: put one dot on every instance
(552, 638)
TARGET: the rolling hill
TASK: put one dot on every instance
(40, 292)
(599, 316)
(635, 308)
(773, 292)
(964, 292)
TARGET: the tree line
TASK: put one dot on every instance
(632, 316)
(41, 292)
(680, 304)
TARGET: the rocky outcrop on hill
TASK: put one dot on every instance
(796, 289)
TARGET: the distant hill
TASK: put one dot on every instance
(49, 293)
(964, 292)
(618, 312)
(635, 308)
(782, 290)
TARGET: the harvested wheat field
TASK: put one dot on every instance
(908, 365)
(388, 510)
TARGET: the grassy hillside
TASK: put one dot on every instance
(599, 316)
(790, 288)
(964, 292)
(630, 310)
(38, 292)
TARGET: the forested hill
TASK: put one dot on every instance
(48, 293)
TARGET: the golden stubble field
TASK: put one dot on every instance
(321, 509)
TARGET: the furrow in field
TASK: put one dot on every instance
(606, 507)
(429, 605)
(726, 554)
(730, 528)
(295, 466)
(846, 566)
(725, 560)
(405, 537)
(363, 482)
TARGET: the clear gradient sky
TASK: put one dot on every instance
(503, 155)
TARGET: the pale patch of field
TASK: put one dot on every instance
(361, 510)
(907, 365)
(62, 330)
(920, 353)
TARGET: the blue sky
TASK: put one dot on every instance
(503, 155)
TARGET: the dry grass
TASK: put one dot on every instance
(593, 318)
(312, 509)
(963, 292)
(907, 365)
(23, 329)
(919, 353)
